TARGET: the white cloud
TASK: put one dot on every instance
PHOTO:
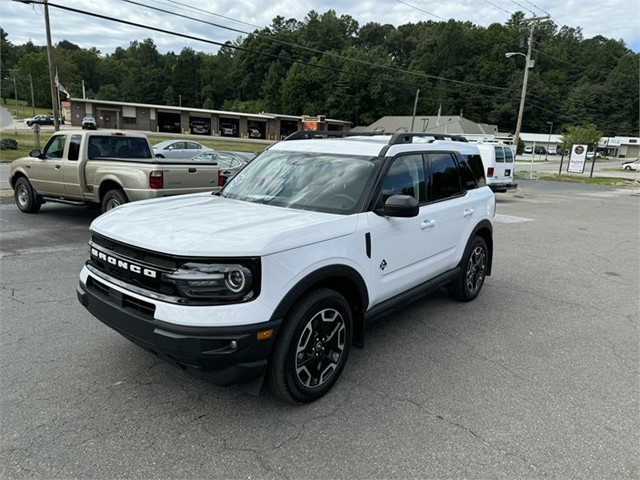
(617, 19)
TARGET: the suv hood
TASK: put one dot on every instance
(210, 226)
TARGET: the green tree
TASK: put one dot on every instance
(583, 135)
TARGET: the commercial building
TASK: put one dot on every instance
(198, 121)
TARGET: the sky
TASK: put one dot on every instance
(617, 19)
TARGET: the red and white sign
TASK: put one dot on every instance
(577, 159)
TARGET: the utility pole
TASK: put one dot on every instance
(54, 103)
(415, 107)
(532, 21)
(33, 104)
(84, 93)
(15, 92)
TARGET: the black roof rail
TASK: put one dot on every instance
(309, 134)
(407, 137)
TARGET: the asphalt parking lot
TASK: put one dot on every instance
(536, 378)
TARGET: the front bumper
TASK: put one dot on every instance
(231, 354)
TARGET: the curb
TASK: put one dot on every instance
(6, 195)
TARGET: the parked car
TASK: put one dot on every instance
(631, 165)
(229, 162)
(528, 149)
(254, 133)
(89, 123)
(227, 131)
(552, 151)
(179, 149)
(280, 272)
(590, 155)
(540, 150)
(42, 120)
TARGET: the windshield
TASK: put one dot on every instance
(308, 181)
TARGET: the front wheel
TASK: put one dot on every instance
(474, 266)
(25, 196)
(313, 347)
(112, 199)
(627, 168)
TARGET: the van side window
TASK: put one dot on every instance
(74, 147)
(445, 177)
(499, 155)
(508, 154)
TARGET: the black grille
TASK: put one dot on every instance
(141, 306)
(97, 286)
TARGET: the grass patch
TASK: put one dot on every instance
(24, 110)
(25, 141)
(606, 181)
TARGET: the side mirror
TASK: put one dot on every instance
(402, 206)
(170, 147)
(35, 153)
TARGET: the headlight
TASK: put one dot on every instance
(217, 282)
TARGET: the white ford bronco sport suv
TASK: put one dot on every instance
(277, 274)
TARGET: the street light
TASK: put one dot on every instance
(546, 155)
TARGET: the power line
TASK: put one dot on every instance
(332, 54)
(543, 11)
(421, 10)
(499, 7)
(525, 8)
(244, 49)
(574, 65)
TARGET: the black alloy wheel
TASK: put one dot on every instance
(473, 271)
(313, 347)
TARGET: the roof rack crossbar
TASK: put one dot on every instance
(309, 134)
(407, 137)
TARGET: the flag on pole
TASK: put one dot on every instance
(439, 113)
(60, 86)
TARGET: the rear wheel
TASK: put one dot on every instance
(471, 278)
(113, 198)
(313, 347)
(25, 196)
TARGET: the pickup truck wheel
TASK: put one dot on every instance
(113, 198)
(25, 196)
(474, 264)
(313, 347)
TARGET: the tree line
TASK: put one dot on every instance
(328, 64)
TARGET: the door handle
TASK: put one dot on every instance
(193, 170)
(57, 167)
(427, 224)
(467, 212)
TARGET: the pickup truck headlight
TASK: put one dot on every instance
(216, 282)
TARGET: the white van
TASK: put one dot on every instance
(499, 165)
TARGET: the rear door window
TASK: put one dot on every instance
(499, 154)
(74, 147)
(445, 176)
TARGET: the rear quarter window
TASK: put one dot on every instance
(474, 162)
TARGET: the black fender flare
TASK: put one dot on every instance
(322, 276)
(484, 229)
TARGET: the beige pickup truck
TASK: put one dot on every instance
(108, 169)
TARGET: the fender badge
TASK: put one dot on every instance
(383, 264)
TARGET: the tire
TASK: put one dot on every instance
(627, 167)
(313, 347)
(25, 196)
(474, 265)
(112, 199)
